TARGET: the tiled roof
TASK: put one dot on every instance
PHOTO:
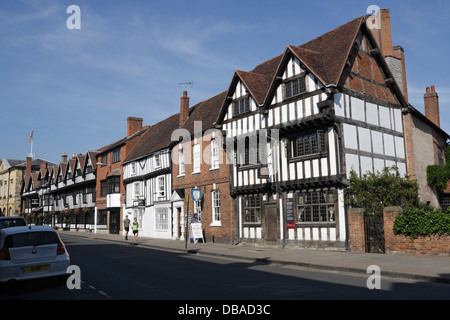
(206, 112)
(157, 137)
(335, 48)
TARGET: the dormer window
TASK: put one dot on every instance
(241, 106)
(294, 87)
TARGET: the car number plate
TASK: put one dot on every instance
(36, 268)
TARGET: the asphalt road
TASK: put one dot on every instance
(114, 271)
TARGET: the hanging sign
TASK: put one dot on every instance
(196, 194)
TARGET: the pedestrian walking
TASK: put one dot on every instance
(135, 229)
(126, 226)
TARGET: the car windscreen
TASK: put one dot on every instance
(30, 239)
(12, 223)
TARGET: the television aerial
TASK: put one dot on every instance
(186, 84)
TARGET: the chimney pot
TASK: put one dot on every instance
(432, 89)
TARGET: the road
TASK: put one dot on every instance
(115, 271)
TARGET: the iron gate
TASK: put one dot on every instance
(374, 232)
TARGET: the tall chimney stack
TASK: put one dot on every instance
(133, 125)
(28, 165)
(184, 108)
(431, 102)
(394, 56)
(64, 158)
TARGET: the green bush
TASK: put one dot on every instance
(438, 176)
(422, 221)
(375, 191)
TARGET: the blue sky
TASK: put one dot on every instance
(76, 88)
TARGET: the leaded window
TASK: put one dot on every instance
(309, 144)
(294, 87)
(241, 106)
(316, 206)
(252, 209)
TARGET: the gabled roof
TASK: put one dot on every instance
(257, 84)
(335, 47)
(92, 155)
(327, 57)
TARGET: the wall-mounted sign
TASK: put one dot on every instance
(290, 223)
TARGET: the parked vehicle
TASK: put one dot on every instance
(31, 252)
(7, 222)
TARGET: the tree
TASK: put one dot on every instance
(375, 191)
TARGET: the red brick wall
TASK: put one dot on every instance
(429, 245)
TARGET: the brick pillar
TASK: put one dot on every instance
(390, 240)
(356, 230)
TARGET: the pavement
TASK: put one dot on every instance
(410, 267)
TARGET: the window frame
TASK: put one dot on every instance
(215, 156)
(241, 105)
(113, 185)
(252, 204)
(116, 155)
(181, 162)
(316, 207)
(196, 154)
(157, 158)
(215, 208)
(294, 86)
(313, 144)
(161, 188)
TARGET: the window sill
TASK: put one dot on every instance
(216, 224)
(214, 169)
(316, 223)
(181, 175)
(196, 172)
(309, 157)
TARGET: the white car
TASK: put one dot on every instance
(32, 252)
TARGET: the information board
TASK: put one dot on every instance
(196, 231)
(290, 223)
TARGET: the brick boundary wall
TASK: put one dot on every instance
(423, 245)
(394, 244)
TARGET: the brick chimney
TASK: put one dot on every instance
(64, 158)
(431, 102)
(28, 165)
(184, 108)
(133, 125)
(394, 56)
